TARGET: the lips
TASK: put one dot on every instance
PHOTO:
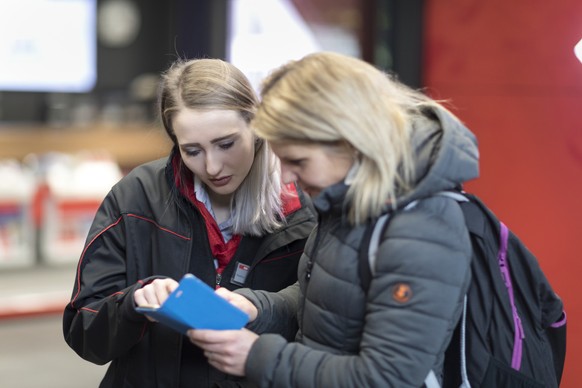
(221, 181)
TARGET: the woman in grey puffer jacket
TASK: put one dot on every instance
(361, 144)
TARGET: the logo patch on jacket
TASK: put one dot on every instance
(401, 292)
(240, 274)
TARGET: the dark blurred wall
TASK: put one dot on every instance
(170, 29)
(394, 37)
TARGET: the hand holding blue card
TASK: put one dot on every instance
(194, 305)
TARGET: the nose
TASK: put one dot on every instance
(213, 164)
(287, 175)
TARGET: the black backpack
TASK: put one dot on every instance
(512, 332)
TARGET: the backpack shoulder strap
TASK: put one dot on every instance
(370, 244)
(369, 248)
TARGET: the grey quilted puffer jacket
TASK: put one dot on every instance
(397, 332)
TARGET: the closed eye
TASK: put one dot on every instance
(295, 162)
(192, 152)
(226, 145)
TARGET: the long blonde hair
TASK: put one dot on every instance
(329, 98)
(209, 84)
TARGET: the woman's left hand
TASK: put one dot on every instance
(226, 350)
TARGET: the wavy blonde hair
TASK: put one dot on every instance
(328, 98)
(213, 84)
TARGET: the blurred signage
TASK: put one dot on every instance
(48, 45)
(264, 34)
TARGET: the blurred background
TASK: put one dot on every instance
(78, 82)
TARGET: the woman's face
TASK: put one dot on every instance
(217, 146)
(313, 166)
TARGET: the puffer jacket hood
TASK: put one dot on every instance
(447, 155)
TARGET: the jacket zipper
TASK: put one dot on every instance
(310, 263)
(319, 233)
(218, 277)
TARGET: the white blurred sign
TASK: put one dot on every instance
(264, 34)
(48, 45)
(578, 50)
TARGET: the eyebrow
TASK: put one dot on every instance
(292, 159)
(213, 141)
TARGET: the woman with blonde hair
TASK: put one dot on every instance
(216, 208)
(361, 144)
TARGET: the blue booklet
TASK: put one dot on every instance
(194, 305)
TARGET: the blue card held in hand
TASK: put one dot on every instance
(194, 305)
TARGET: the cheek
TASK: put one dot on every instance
(311, 178)
(242, 158)
(192, 164)
(324, 175)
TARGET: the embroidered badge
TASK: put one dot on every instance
(401, 292)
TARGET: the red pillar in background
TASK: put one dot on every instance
(509, 71)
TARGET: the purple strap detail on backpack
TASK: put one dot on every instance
(519, 335)
(561, 322)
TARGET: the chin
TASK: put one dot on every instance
(226, 191)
